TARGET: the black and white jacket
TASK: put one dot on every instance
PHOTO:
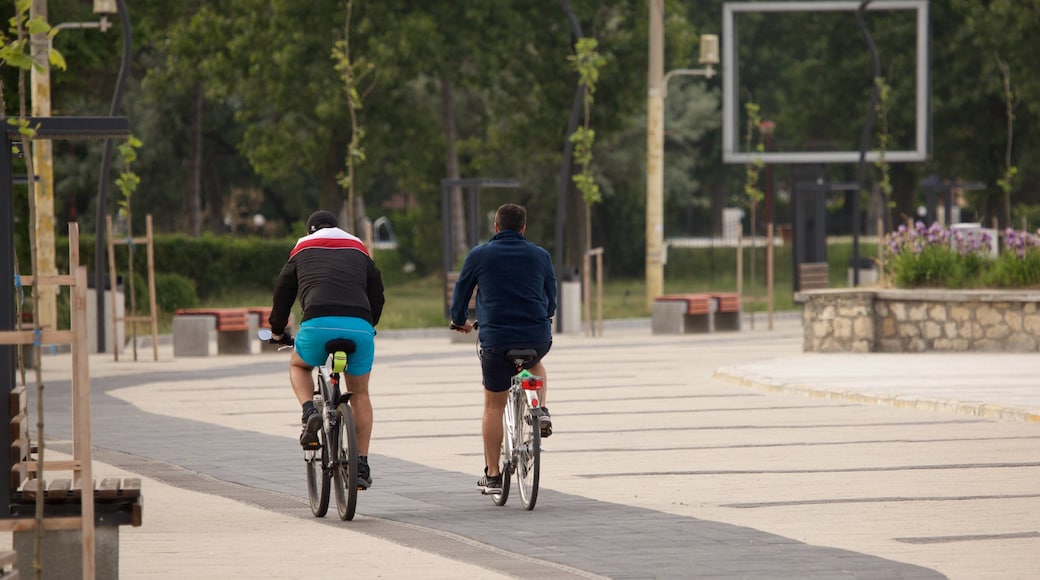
(333, 274)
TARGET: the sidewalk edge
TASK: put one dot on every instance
(969, 408)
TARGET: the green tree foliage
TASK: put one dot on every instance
(272, 122)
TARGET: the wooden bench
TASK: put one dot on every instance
(728, 311)
(696, 313)
(813, 276)
(682, 313)
(261, 316)
(117, 500)
(193, 330)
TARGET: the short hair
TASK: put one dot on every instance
(321, 219)
(511, 216)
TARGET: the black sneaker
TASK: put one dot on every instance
(309, 436)
(544, 420)
(490, 484)
(364, 480)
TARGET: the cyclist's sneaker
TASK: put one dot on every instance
(490, 484)
(544, 420)
(309, 436)
(364, 480)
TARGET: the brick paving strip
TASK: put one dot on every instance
(438, 510)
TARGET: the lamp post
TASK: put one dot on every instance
(656, 94)
(41, 186)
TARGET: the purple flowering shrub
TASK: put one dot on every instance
(1018, 265)
(935, 256)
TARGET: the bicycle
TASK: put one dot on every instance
(522, 437)
(336, 458)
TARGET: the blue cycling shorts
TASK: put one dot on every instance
(314, 333)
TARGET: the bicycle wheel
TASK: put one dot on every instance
(528, 457)
(505, 466)
(346, 462)
(318, 475)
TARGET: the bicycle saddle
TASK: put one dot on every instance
(340, 345)
(524, 354)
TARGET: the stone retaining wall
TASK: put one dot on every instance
(883, 320)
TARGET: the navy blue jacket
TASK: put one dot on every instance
(516, 291)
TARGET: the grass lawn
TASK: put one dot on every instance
(420, 303)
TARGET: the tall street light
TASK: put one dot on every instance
(42, 186)
(656, 94)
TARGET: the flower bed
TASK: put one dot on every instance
(956, 291)
(884, 320)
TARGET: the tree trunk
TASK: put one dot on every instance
(457, 204)
(561, 256)
(195, 183)
(576, 227)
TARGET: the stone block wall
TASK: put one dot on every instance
(882, 320)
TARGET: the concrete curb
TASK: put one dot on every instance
(968, 408)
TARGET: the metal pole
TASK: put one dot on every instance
(7, 298)
(106, 162)
(868, 128)
(655, 157)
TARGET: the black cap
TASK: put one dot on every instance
(321, 219)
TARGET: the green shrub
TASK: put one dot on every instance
(174, 291)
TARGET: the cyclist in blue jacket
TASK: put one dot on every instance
(516, 300)
(341, 293)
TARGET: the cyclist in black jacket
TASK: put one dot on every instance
(341, 294)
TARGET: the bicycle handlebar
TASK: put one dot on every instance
(265, 335)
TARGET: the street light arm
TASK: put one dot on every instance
(102, 24)
(706, 72)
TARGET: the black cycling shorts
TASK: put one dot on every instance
(498, 369)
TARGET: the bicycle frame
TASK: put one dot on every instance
(524, 390)
(521, 441)
(336, 458)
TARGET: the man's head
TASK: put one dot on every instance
(321, 219)
(511, 216)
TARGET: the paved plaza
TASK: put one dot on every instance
(725, 455)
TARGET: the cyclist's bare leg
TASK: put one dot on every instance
(539, 369)
(362, 406)
(494, 406)
(301, 379)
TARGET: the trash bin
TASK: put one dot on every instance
(568, 311)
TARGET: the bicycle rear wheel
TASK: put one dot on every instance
(505, 467)
(345, 462)
(528, 457)
(318, 476)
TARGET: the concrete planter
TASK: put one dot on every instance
(884, 320)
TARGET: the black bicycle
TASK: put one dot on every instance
(336, 458)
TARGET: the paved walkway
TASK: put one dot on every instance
(695, 456)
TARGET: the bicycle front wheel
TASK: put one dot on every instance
(346, 462)
(318, 476)
(528, 458)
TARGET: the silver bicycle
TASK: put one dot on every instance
(522, 440)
